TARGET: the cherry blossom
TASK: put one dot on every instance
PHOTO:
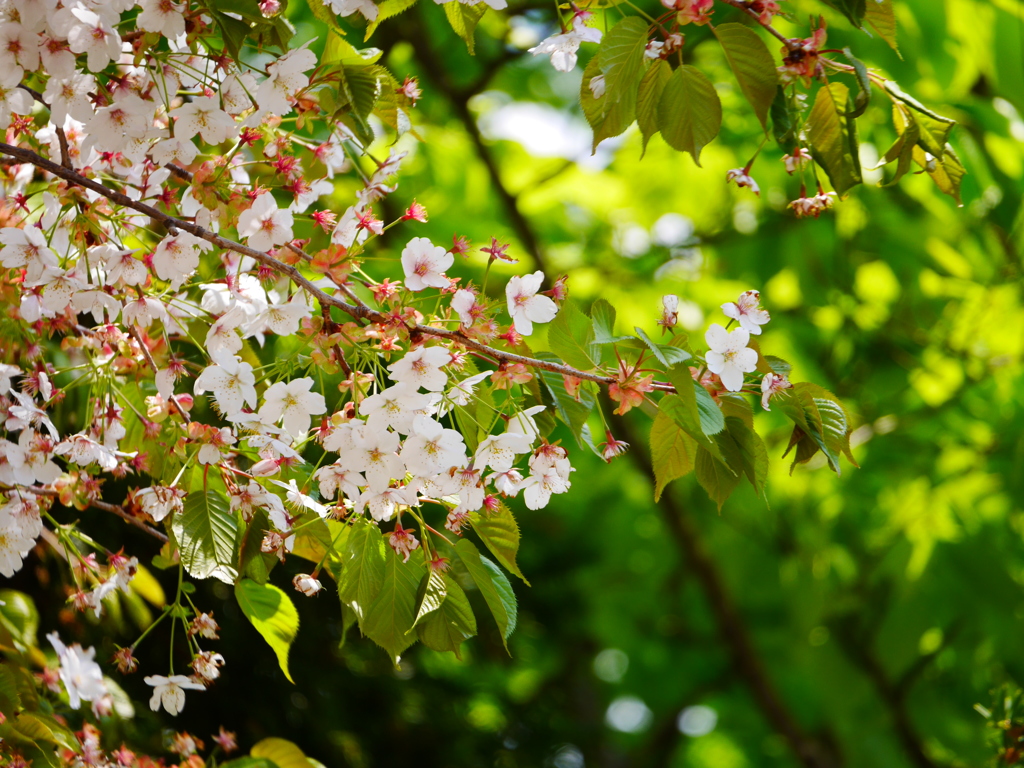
(232, 383)
(264, 225)
(170, 692)
(422, 368)
(292, 402)
(424, 264)
(82, 677)
(747, 310)
(771, 385)
(562, 48)
(525, 305)
(729, 356)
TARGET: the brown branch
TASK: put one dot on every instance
(62, 139)
(733, 632)
(112, 508)
(354, 310)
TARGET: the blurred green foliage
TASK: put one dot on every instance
(881, 605)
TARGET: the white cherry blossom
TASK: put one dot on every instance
(294, 403)
(394, 407)
(422, 368)
(424, 264)
(264, 225)
(81, 675)
(170, 692)
(729, 356)
(499, 451)
(525, 305)
(204, 116)
(431, 448)
(747, 311)
(562, 48)
(232, 383)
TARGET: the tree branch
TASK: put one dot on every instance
(356, 311)
(112, 508)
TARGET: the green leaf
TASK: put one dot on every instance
(902, 150)
(666, 354)
(782, 120)
(340, 51)
(672, 452)
(649, 96)
(821, 418)
(935, 128)
(233, 31)
(750, 450)
(206, 532)
(603, 315)
(948, 171)
(607, 118)
(362, 570)
(18, 615)
(273, 615)
(499, 531)
(453, 622)
(10, 701)
(431, 594)
(253, 563)
(493, 585)
(281, 752)
(391, 615)
(752, 64)
(464, 19)
(313, 539)
(853, 10)
(715, 477)
(879, 14)
(690, 112)
(387, 10)
(863, 85)
(687, 417)
(833, 137)
(621, 58)
(571, 337)
(697, 400)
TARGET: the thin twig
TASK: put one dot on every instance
(62, 139)
(354, 310)
(112, 508)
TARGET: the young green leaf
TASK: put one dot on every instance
(666, 354)
(281, 752)
(453, 622)
(689, 112)
(621, 58)
(833, 137)
(573, 413)
(464, 19)
(273, 615)
(752, 64)
(715, 477)
(782, 120)
(391, 615)
(493, 585)
(879, 15)
(672, 452)
(607, 118)
(947, 172)
(571, 337)
(431, 594)
(386, 10)
(206, 531)
(362, 571)
(649, 96)
(499, 531)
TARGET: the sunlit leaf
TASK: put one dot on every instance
(690, 112)
(752, 64)
(273, 615)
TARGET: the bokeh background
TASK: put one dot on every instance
(851, 620)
